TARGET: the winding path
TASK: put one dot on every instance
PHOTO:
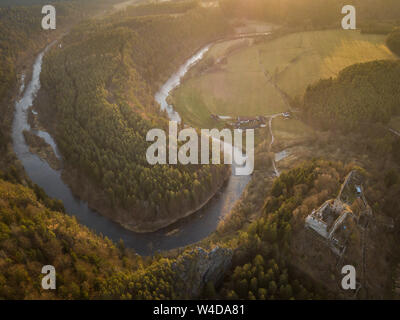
(276, 171)
(395, 132)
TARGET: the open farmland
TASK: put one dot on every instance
(245, 79)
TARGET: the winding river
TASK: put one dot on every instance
(184, 232)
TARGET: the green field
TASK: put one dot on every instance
(300, 59)
(244, 84)
(290, 129)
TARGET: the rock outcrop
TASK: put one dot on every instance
(198, 267)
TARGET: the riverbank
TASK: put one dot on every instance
(38, 146)
(9, 161)
(202, 215)
(84, 189)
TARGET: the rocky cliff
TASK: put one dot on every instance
(198, 267)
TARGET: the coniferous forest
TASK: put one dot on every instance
(97, 101)
(101, 96)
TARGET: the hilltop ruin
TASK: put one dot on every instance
(336, 218)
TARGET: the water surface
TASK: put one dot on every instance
(184, 232)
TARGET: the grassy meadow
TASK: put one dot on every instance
(297, 60)
(290, 129)
(247, 81)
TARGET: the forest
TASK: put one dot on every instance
(99, 106)
(393, 41)
(32, 234)
(100, 87)
(361, 94)
(34, 231)
(262, 267)
(21, 37)
(359, 103)
(20, 31)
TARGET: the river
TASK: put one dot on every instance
(184, 232)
